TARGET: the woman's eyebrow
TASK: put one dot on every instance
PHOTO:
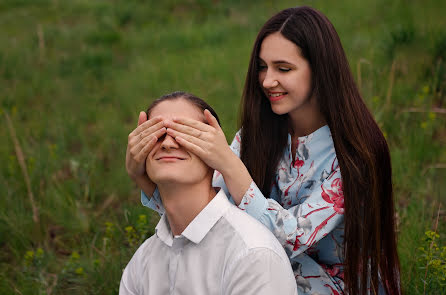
(282, 62)
(278, 62)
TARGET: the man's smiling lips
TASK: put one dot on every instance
(169, 158)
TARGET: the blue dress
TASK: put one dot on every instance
(305, 210)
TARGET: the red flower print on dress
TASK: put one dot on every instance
(298, 163)
(334, 270)
(335, 195)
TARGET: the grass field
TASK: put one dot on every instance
(75, 74)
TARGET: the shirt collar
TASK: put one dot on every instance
(200, 225)
(163, 231)
(207, 218)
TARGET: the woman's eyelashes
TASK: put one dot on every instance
(262, 68)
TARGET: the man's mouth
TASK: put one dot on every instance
(170, 158)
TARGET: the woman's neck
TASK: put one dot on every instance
(306, 119)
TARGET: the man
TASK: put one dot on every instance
(203, 244)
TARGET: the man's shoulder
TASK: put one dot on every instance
(253, 234)
(146, 247)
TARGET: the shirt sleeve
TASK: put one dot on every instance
(260, 272)
(300, 226)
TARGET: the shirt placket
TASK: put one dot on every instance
(177, 249)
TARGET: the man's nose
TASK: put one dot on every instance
(168, 142)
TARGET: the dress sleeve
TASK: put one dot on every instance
(218, 180)
(299, 227)
(154, 202)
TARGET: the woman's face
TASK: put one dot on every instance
(285, 76)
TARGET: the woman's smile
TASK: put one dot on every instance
(276, 96)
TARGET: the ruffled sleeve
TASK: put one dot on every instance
(154, 202)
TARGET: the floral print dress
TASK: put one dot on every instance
(305, 210)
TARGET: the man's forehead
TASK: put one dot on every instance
(178, 108)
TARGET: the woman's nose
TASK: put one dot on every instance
(269, 80)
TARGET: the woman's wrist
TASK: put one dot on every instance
(145, 184)
(237, 178)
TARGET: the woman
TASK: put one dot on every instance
(310, 162)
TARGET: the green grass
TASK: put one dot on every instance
(75, 74)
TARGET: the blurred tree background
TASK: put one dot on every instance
(75, 74)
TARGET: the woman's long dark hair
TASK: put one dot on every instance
(361, 149)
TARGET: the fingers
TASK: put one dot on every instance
(150, 130)
(143, 148)
(184, 129)
(145, 125)
(192, 123)
(190, 138)
(193, 148)
(211, 119)
(142, 118)
(144, 130)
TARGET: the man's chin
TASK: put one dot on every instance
(171, 179)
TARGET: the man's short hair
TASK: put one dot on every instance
(196, 101)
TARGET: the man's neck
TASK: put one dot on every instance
(183, 202)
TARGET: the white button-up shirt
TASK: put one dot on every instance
(222, 251)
